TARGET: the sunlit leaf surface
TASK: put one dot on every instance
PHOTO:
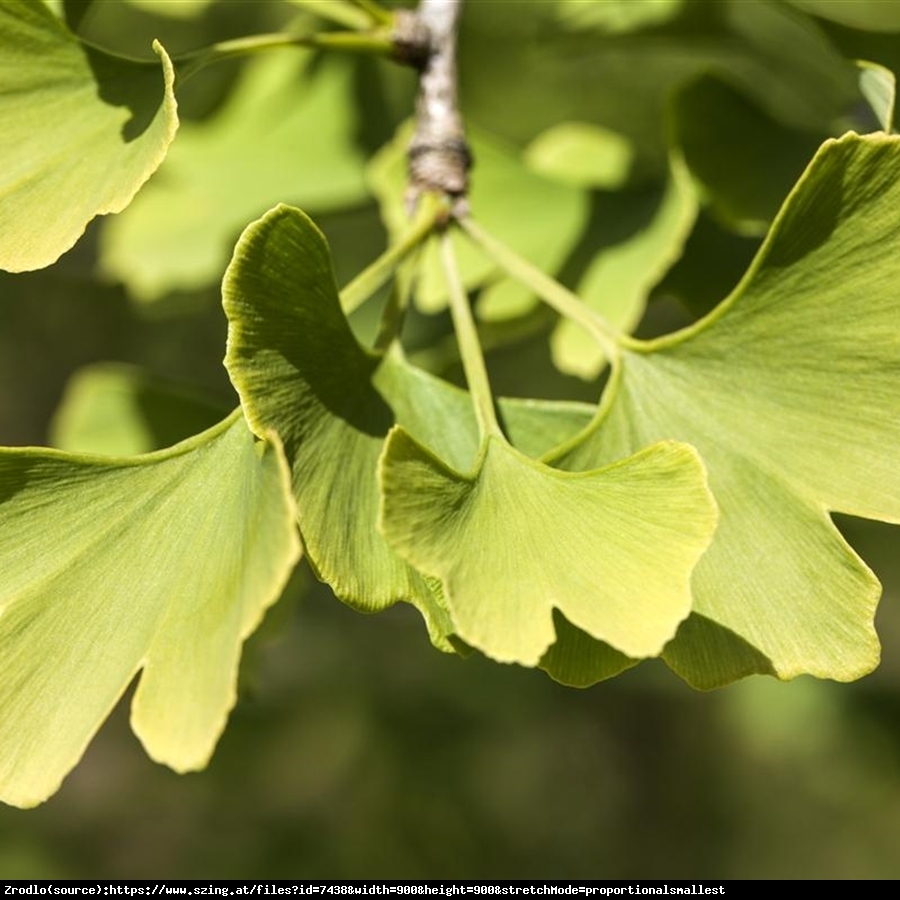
(79, 126)
(160, 564)
(789, 390)
(611, 549)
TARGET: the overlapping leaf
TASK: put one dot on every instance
(790, 390)
(612, 549)
(162, 563)
(301, 372)
(287, 131)
(79, 125)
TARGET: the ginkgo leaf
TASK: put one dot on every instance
(288, 131)
(505, 192)
(78, 124)
(578, 660)
(511, 541)
(789, 389)
(300, 372)
(582, 154)
(162, 563)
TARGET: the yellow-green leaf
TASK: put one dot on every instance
(161, 564)
(82, 131)
(612, 549)
(790, 390)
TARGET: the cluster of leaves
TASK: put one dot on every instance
(684, 514)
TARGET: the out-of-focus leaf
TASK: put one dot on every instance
(581, 154)
(712, 263)
(878, 85)
(616, 16)
(539, 217)
(639, 236)
(82, 131)
(548, 73)
(174, 9)
(343, 12)
(116, 410)
(789, 390)
(745, 161)
(286, 133)
(162, 564)
(869, 15)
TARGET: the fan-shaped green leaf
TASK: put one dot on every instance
(790, 390)
(507, 195)
(287, 131)
(82, 131)
(612, 549)
(300, 371)
(162, 563)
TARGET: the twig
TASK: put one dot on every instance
(439, 156)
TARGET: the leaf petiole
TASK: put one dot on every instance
(377, 43)
(469, 346)
(548, 289)
(354, 294)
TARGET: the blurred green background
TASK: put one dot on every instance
(356, 750)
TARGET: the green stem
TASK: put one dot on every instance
(548, 289)
(469, 346)
(394, 311)
(378, 43)
(377, 273)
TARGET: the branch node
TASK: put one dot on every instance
(411, 39)
(439, 155)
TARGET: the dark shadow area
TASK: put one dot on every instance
(702, 646)
(138, 86)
